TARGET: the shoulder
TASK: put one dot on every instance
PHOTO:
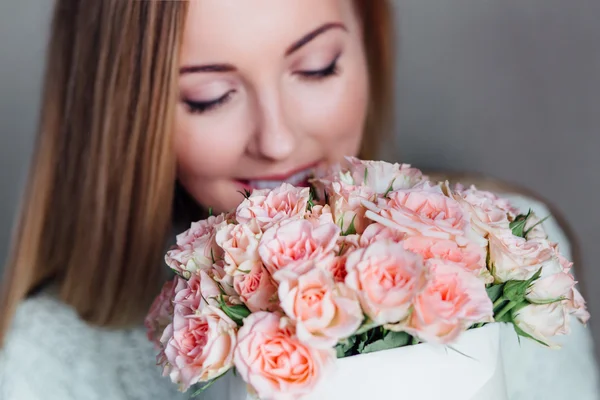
(50, 353)
(43, 331)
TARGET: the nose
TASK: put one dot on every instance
(274, 138)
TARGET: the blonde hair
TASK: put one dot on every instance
(97, 208)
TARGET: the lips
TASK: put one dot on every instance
(299, 178)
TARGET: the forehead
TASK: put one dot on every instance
(218, 29)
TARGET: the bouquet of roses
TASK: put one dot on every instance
(372, 256)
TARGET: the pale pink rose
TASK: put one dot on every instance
(551, 288)
(387, 278)
(161, 313)
(275, 364)
(471, 257)
(557, 283)
(534, 228)
(200, 348)
(426, 212)
(576, 306)
(346, 202)
(377, 232)
(320, 215)
(240, 246)
(268, 207)
(324, 311)
(544, 321)
(515, 258)
(382, 176)
(452, 301)
(487, 211)
(257, 289)
(296, 241)
(196, 248)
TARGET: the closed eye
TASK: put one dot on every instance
(199, 107)
(330, 70)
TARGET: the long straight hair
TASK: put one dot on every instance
(98, 205)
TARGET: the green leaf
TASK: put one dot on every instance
(367, 325)
(345, 348)
(391, 340)
(246, 193)
(535, 276)
(494, 292)
(515, 291)
(311, 197)
(390, 188)
(366, 175)
(536, 224)
(208, 384)
(521, 332)
(237, 313)
(351, 229)
(518, 225)
(549, 301)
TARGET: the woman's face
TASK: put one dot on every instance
(268, 89)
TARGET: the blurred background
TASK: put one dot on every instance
(506, 88)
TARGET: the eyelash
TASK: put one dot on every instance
(331, 70)
(199, 107)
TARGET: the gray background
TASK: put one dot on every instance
(509, 88)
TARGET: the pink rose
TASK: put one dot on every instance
(543, 321)
(424, 212)
(240, 246)
(453, 300)
(271, 359)
(320, 215)
(348, 211)
(205, 288)
(471, 257)
(161, 313)
(196, 248)
(324, 312)
(199, 347)
(188, 293)
(336, 267)
(257, 289)
(386, 278)
(297, 241)
(268, 207)
(487, 211)
(382, 176)
(515, 258)
(377, 232)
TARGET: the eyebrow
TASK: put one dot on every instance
(303, 41)
(313, 34)
(206, 68)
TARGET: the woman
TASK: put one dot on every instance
(152, 106)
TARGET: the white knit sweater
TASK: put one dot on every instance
(51, 354)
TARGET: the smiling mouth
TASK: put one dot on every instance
(299, 178)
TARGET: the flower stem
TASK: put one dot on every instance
(506, 309)
(500, 300)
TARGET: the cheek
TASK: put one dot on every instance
(209, 147)
(334, 111)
